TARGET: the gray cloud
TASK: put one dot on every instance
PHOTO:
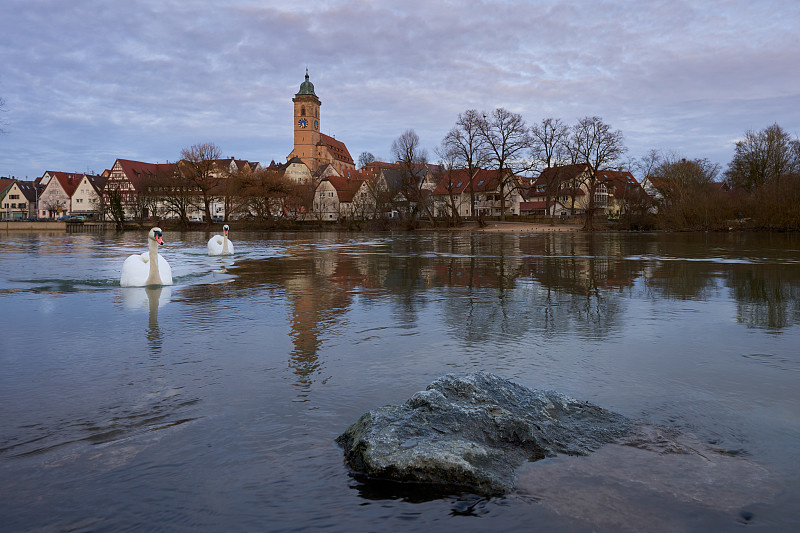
(89, 81)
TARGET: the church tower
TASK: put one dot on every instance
(306, 126)
(312, 147)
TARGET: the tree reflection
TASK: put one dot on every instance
(765, 296)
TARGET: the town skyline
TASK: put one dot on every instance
(84, 86)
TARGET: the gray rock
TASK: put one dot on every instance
(472, 432)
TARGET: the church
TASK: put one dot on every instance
(312, 147)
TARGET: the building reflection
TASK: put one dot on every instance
(318, 298)
(489, 286)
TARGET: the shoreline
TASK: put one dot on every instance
(468, 227)
(512, 227)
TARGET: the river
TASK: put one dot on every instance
(213, 404)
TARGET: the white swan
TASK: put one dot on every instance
(219, 244)
(149, 268)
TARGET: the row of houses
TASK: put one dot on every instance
(54, 195)
(379, 189)
(558, 191)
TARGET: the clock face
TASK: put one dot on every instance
(302, 123)
(316, 124)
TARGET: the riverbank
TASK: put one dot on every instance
(527, 227)
(511, 227)
(468, 226)
(55, 225)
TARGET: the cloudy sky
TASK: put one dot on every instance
(86, 82)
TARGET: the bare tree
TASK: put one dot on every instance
(380, 197)
(448, 156)
(549, 143)
(175, 192)
(549, 149)
(763, 157)
(365, 159)
(108, 206)
(647, 164)
(413, 161)
(593, 142)
(467, 146)
(506, 138)
(265, 194)
(199, 165)
(299, 200)
(689, 184)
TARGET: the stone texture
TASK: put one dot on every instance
(473, 432)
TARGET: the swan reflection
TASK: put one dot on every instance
(150, 298)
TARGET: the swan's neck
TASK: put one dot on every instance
(224, 243)
(154, 278)
(153, 295)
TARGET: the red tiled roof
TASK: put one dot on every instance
(336, 148)
(69, 181)
(346, 187)
(661, 183)
(240, 163)
(5, 183)
(560, 174)
(457, 181)
(137, 170)
(617, 178)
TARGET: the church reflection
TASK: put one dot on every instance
(318, 298)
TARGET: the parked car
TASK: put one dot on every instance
(194, 219)
(76, 218)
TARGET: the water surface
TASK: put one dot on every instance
(213, 404)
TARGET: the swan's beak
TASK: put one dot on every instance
(226, 232)
(159, 240)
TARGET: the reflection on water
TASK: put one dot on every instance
(213, 403)
(150, 298)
